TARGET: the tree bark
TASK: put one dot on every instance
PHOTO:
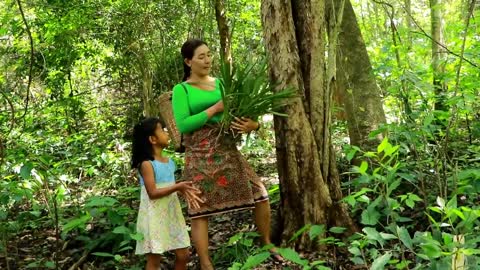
(409, 21)
(223, 30)
(294, 36)
(438, 53)
(357, 85)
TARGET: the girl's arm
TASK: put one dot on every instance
(153, 192)
(186, 122)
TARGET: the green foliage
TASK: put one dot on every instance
(65, 158)
(385, 197)
(247, 92)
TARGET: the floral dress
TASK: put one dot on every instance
(161, 220)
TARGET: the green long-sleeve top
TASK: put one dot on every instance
(189, 106)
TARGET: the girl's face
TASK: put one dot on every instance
(201, 62)
(160, 137)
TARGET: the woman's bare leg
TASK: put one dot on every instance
(262, 220)
(200, 241)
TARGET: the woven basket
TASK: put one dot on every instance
(166, 112)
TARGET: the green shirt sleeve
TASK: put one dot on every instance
(185, 120)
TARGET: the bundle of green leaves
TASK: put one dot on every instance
(248, 92)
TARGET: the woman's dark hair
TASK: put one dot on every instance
(141, 147)
(188, 50)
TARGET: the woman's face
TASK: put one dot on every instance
(201, 61)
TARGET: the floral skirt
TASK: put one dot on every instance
(219, 170)
(161, 223)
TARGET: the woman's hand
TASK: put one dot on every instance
(217, 108)
(244, 125)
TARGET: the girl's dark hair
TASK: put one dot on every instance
(188, 50)
(141, 147)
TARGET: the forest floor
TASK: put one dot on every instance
(34, 248)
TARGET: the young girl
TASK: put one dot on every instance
(160, 218)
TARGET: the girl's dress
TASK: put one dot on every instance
(161, 220)
(212, 161)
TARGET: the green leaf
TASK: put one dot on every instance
(26, 170)
(393, 186)
(404, 236)
(387, 236)
(315, 231)
(403, 264)
(76, 223)
(390, 151)
(103, 254)
(291, 255)
(355, 251)
(357, 260)
(410, 203)
(383, 145)
(363, 167)
(414, 197)
(351, 154)
(456, 212)
(337, 230)
(234, 239)
(137, 236)
(370, 216)
(256, 260)
(300, 232)
(99, 201)
(50, 264)
(373, 234)
(432, 250)
(121, 230)
(380, 262)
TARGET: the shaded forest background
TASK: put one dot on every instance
(403, 129)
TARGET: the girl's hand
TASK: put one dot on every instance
(190, 193)
(244, 125)
(193, 199)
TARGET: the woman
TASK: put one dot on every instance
(213, 162)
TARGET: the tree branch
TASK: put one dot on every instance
(461, 56)
(427, 35)
(27, 28)
(12, 123)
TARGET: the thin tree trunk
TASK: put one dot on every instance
(221, 17)
(356, 83)
(294, 36)
(409, 22)
(438, 53)
(148, 99)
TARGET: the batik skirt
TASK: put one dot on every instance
(216, 167)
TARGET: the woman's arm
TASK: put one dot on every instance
(187, 122)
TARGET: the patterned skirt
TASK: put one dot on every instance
(161, 223)
(219, 170)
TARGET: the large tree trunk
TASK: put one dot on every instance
(223, 30)
(356, 83)
(438, 53)
(310, 190)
